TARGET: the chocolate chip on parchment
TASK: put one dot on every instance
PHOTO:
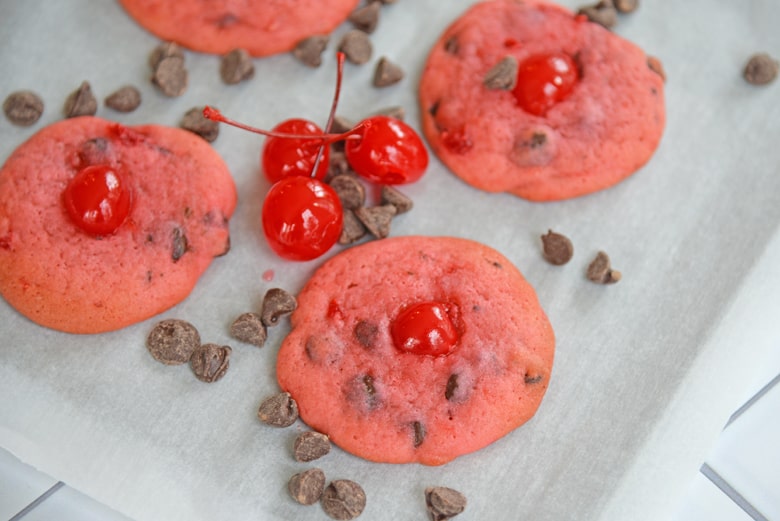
(503, 75)
(350, 190)
(23, 107)
(197, 123)
(444, 503)
(338, 164)
(249, 328)
(356, 46)
(236, 66)
(80, 102)
(351, 229)
(387, 73)
(602, 13)
(390, 195)
(365, 333)
(124, 99)
(761, 69)
(309, 50)
(343, 499)
(377, 219)
(601, 272)
(173, 341)
(170, 76)
(656, 66)
(210, 362)
(306, 487)
(277, 303)
(557, 249)
(280, 410)
(162, 51)
(310, 445)
(626, 6)
(366, 18)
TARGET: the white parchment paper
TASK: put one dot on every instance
(646, 371)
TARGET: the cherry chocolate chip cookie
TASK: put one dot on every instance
(260, 27)
(417, 349)
(103, 225)
(528, 98)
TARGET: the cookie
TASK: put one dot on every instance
(475, 118)
(417, 349)
(261, 28)
(62, 277)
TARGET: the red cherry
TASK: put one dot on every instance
(389, 152)
(544, 80)
(425, 328)
(97, 199)
(284, 157)
(302, 217)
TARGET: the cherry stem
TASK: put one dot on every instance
(339, 75)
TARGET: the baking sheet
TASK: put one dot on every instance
(646, 371)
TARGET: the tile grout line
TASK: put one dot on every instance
(732, 493)
(40, 499)
(753, 399)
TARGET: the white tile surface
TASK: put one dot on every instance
(20, 485)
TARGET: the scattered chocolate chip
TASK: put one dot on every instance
(356, 46)
(452, 386)
(343, 499)
(306, 487)
(532, 378)
(124, 99)
(419, 434)
(387, 73)
(197, 123)
(377, 219)
(309, 50)
(366, 18)
(350, 190)
(503, 75)
(368, 383)
(81, 102)
(210, 362)
(170, 76)
(600, 271)
(162, 51)
(397, 112)
(444, 503)
(557, 249)
(390, 195)
(626, 6)
(173, 341)
(338, 163)
(656, 66)
(277, 303)
(452, 45)
(23, 108)
(761, 69)
(366, 333)
(236, 66)
(341, 125)
(602, 13)
(280, 410)
(249, 328)
(351, 229)
(180, 245)
(310, 445)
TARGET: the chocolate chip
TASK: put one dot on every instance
(390, 195)
(377, 219)
(210, 362)
(368, 384)
(600, 271)
(387, 73)
(310, 445)
(531, 379)
(356, 46)
(444, 503)
(503, 75)
(366, 333)
(173, 341)
(557, 248)
(197, 123)
(350, 191)
(602, 13)
(452, 386)
(280, 410)
(124, 99)
(343, 499)
(656, 66)
(419, 434)
(236, 66)
(341, 125)
(170, 76)
(95, 151)
(366, 18)
(338, 164)
(23, 108)
(309, 50)
(249, 328)
(162, 51)
(80, 102)
(761, 69)
(306, 487)
(277, 303)
(180, 245)
(351, 229)
(452, 45)
(626, 6)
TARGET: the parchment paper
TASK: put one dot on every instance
(646, 371)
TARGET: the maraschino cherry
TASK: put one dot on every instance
(425, 328)
(283, 157)
(543, 80)
(98, 199)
